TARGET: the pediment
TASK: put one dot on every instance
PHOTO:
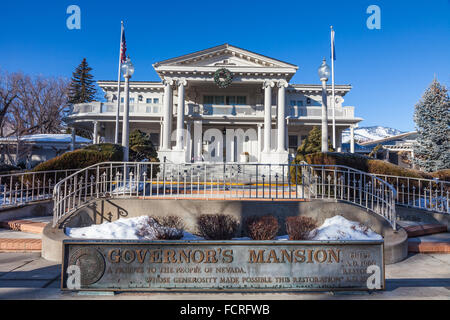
(224, 56)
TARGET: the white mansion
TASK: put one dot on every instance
(197, 113)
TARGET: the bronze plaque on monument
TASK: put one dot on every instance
(222, 265)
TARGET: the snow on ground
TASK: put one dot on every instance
(124, 229)
(335, 228)
(339, 228)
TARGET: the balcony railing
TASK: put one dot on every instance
(316, 112)
(111, 108)
(210, 110)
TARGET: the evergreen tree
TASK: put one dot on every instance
(432, 118)
(312, 144)
(141, 147)
(82, 87)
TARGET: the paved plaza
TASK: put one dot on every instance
(420, 276)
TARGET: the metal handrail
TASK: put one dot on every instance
(21, 188)
(222, 181)
(421, 193)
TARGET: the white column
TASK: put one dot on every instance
(161, 134)
(95, 133)
(72, 142)
(339, 142)
(268, 85)
(352, 139)
(126, 122)
(198, 138)
(259, 142)
(281, 134)
(188, 141)
(180, 116)
(167, 113)
(324, 117)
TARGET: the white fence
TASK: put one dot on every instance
(22, 188)
(425, 194)
(222, 181)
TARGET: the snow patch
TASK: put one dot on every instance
(142, 228)
(339, 228)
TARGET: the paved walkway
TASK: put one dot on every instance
(420, 276)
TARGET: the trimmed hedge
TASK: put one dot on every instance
(363, 163)
(443, 175)
(83, 158)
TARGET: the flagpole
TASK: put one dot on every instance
(332, 88)
(116, 139)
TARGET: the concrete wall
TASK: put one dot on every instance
(36, 209)
(413, 214)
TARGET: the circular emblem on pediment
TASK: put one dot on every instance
(223, 77)
(91, 263)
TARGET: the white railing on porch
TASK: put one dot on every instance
(222, 181)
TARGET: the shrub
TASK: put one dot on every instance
(362, 163)
(80, 159)
(217, 226)
(312, 144)
(83, 158)
(141, 147)
(152, 230)
(443, 175)
(170, 222)
(262, 228)
(300, 228)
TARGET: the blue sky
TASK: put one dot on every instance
(388, 68)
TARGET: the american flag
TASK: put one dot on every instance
(123, 47)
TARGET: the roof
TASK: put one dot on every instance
(224, 46)
(393, 138)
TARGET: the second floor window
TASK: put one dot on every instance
(122, 100)
(225, 100)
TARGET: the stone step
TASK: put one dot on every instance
(24, 226)
(20, 245)
(22, 235)
(436, 243)
(424, 229)
(16, 241)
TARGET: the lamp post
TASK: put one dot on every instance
(127, 71)
(324, 74)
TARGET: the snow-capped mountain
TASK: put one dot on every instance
(365, 134)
